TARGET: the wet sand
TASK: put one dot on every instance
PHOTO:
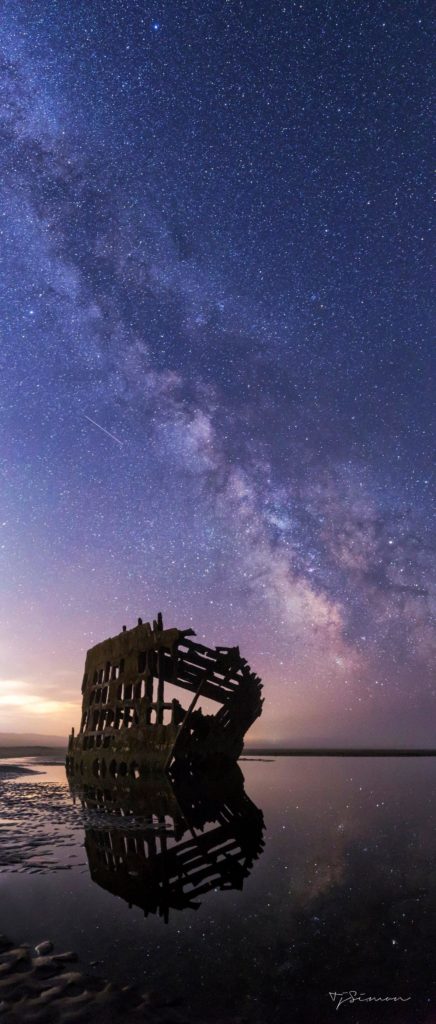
(39, 986)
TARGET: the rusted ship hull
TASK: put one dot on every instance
(130, 727)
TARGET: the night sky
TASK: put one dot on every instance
(216, 351)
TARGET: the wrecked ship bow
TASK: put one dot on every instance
(128, 727)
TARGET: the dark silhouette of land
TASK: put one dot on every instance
(42, 752)
(31, 739)
(31, 745)
(339, 752)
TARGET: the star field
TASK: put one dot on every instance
(216, 350)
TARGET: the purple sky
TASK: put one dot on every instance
(216, 348)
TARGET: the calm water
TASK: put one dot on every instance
(318, 878)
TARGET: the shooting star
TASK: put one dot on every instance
(103, 429)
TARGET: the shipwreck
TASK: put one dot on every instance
(132, 720)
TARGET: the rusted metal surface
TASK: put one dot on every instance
(129, 728)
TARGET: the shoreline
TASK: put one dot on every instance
(340, 752)
(59, 753)
(28, 751)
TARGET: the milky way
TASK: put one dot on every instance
(216, 355)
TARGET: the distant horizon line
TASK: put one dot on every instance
(249, 751)
(29, 738)
(340, 751)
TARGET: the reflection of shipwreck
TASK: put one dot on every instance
(128, 727)
(161, 845)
